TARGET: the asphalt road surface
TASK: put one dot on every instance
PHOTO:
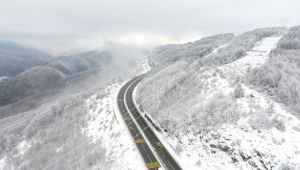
(137, 124)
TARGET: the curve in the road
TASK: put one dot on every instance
(149, 158)
(130, 112)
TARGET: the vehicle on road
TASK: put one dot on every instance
(159, 144)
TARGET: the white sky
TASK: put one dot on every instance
(62, 25)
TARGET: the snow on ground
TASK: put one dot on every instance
(221, 47)
(254, 58)
(2, 163)
(266, 136)
(104, 127)
(22, 148)
(216, 50)
(145, 67)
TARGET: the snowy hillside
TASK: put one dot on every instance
(236, 146)
(214, 119)
(103, 127)
(15, 58)
(73, 127)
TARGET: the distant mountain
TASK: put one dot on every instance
(15, 58)
(80, 62)
(168, 54)
(32, 81)
(37, 72)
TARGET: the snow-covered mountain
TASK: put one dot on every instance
(223, 102)
(229, 104)
(15, 58)
(50, 115)
(49, 75)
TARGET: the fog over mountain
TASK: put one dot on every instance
(66, 26)
(15, 59)
(48, 96)
(208, 91)
(136, 85)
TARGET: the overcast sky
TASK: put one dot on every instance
(61, 25)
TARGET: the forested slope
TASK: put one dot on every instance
(49, 75)
(233, 104)
(15, 59)
(280, 76)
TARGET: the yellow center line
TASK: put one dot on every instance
(139, 141)
(153, 165)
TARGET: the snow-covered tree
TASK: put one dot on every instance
(238, 91)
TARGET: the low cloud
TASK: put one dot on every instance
(62, 26)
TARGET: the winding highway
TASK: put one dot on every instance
(152, 150)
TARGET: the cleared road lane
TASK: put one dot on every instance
(125, 98)
(149, 158)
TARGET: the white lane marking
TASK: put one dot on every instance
(139, 126)
(149, 134)
(163, 153)
(171, 165)
(146, 153)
